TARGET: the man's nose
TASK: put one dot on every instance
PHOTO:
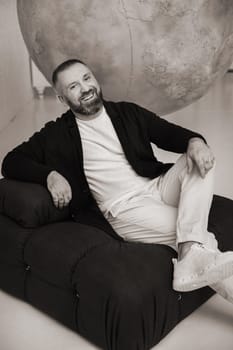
(85, 87)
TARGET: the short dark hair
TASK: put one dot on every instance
(63, 66)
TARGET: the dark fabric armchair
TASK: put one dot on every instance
(116, 294)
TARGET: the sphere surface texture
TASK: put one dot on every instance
(161, 54)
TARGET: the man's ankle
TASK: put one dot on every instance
(184, 248)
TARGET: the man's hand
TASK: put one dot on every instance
(59, 188)
(200, 155)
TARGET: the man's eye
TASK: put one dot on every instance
(87, 78)
(72, 87)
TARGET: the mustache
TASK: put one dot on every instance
(84, 94)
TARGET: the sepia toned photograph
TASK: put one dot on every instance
(116, 182)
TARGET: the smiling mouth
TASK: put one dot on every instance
(89, 96)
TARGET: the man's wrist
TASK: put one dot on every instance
(196, 139)
(51, 173)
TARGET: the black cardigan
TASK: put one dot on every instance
(58, 147)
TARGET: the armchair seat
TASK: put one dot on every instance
(116, 294)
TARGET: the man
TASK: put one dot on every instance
(97, 158)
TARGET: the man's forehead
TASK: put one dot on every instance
(77, 70)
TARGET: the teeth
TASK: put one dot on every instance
(88, 96)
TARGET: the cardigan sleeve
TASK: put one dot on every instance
(26, 162)
(166, 135)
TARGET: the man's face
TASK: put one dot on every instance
(79, 89)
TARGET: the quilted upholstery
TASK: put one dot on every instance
(29, 204)
(116, 294)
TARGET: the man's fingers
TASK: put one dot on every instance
(67, 199)
(204, 165)
(55, 199)
(67, 196)
(201, 155)
(201, 168)
(64, 200)
(60, 200)
(209, 165)
(59, 188)
(189, 164)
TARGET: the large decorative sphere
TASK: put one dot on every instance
(162, 54)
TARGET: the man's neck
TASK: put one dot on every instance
(89, 117)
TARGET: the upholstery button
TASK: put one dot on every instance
(77, 295)
(179, 297)
(28, 267)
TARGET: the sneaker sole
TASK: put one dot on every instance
(212, 276)
(221, 291)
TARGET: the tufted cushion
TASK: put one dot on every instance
(116, 294)
(29, 204)
(221, 222)
(100, 287)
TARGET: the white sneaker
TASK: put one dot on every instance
(224, 288)
(201, 267)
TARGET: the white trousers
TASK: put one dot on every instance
(172, 209)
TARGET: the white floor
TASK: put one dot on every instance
(22, 327)
(209, 328)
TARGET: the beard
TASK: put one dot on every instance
(88, 107)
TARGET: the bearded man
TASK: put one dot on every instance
(98, 159)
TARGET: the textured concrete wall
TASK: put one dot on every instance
(15, 87)
(163, 54)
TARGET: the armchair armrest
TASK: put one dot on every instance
(29, 204)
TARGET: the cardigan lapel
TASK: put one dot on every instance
(119, 128)
(117, 124)
(76, 138)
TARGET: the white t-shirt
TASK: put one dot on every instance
(109, 174)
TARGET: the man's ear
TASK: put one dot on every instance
(60, 98)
